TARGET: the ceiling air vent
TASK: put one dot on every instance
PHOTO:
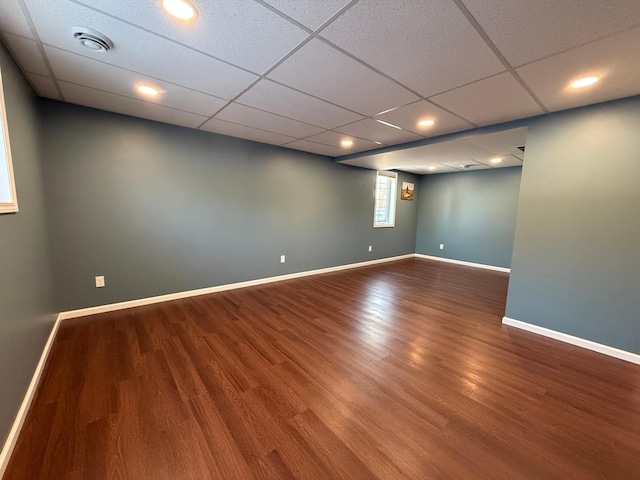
(521, 148)
(92, 39)
(467, 166)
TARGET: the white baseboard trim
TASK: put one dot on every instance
(468, 264)
(220, 288)
(12, 438)
(580, 342)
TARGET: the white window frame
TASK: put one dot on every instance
(10, 204)
(391, 198)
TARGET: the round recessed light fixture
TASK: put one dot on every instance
(426, 123)
(431, 167)
(496, 160)
(92, 39)
(180, 9)
(584, 82)
(147, 90)
(346, 143)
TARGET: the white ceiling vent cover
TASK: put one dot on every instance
(92, 39)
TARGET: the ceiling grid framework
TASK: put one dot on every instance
(305, 74)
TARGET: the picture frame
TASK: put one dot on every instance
(407, 191)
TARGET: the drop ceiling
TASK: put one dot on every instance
(305, 74)
(464, 153)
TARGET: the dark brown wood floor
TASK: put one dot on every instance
(401, 370)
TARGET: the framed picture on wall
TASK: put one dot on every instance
(8, 199)
(407, 191)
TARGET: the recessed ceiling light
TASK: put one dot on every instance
(180, 9)
(496, 160)
(584, 82)
(426, 123)
(431, 167)
(346, 143)
(147, 90)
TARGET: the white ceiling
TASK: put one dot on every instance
(305, 74)
(465, 153)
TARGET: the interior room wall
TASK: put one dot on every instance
(576, 261)
(26, 302)
(473, 214)
(159, 209)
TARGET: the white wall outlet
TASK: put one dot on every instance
(442, 246)
(282, 258)
(370, 247)
(100, 281)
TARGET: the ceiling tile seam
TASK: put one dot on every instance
(317, 98)
(134, 71)
(312, 34)
(472, 20)
(355, 137)
(24, 71)
(590, 42)
(421, 99)
(184, 45)
(264, 4)
(306, 139)
(388, 77)
(133, 98)
(262, 76)
(36, 37)
(274, 114)
(257, 128)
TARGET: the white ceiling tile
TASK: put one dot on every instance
(492, 100)
(44, 86)
(408, 117)
(243, 33)
(137, 50)
(378, 132)
(242, 131)
(310, 13)
(12, 19)
(340, 80)
(428, 46)
(27, 53)
(504, 142)
(313, 147)
(91, 73)
(507, 161)
(252, 117)
(468, 163)
(272, 97)
(334, 139)
(444, 155)
(609, 59)
(128, 106)
(525, 30)
(435, 168)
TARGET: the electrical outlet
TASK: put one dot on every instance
(100, 281)
(282, 258)
(370, 247)
(442, 246)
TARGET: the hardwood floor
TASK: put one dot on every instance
(401, 370)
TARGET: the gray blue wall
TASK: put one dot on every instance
(472, 213)
(576, 256)
(158, 209)
(26, 302)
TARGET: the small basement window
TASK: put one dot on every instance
(384, 213)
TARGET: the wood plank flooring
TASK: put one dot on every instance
(400, 370)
